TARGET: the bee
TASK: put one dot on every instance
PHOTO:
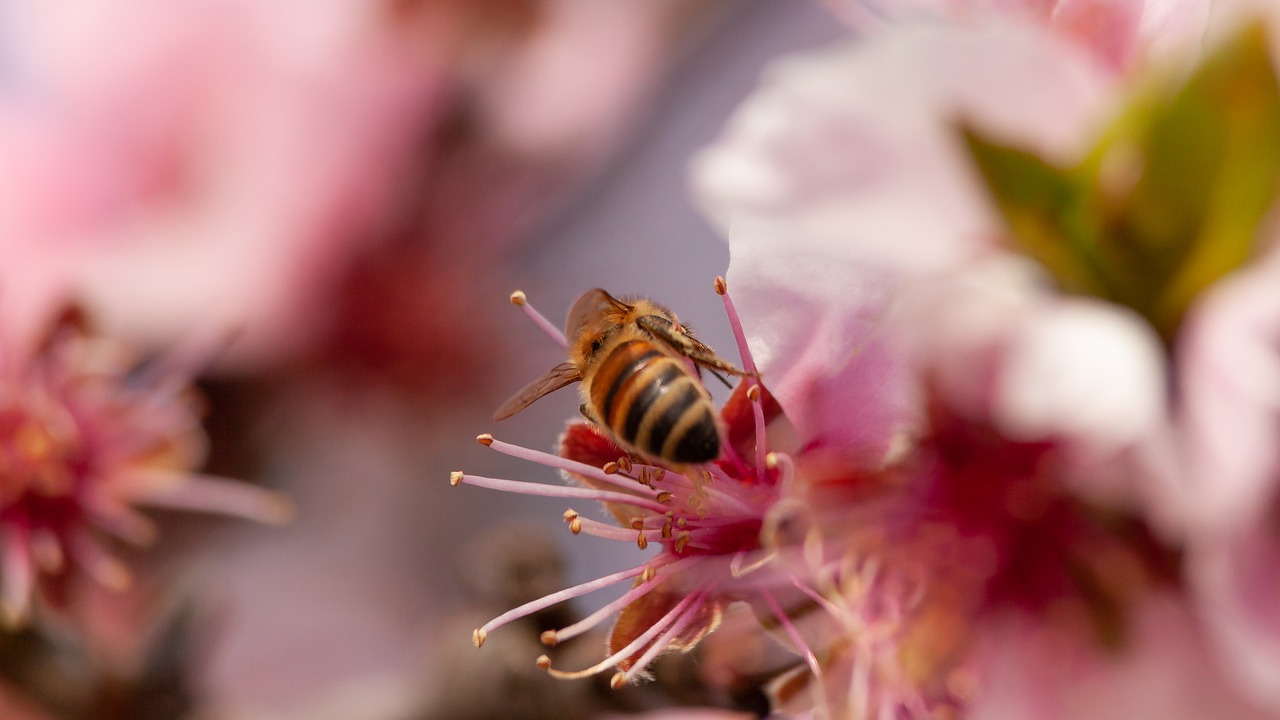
(639, 372)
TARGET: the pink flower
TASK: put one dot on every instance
(707, 519)
(1120, 34)
(1230, 411)
(88, 439)
(1031, 480)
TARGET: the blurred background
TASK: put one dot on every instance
(349, 190)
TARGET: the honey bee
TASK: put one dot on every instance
(638, 368)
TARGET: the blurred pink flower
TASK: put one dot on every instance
(220, 163)
(1230, 412)
(1033, 476)
(1120, 34)
(88, 439)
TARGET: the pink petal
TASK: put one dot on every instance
(1163, 671)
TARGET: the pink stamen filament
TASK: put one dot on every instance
(19, 576)
(107, 569)
(680, 625)
(792, 632)
(571, 466)
(607, 611)
(561, 491)
(555, 598)
(748, 364)
(595, 528)
(631, 647)
(757, 411)
(208, 493)
(538, 319)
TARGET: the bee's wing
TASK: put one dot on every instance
(663, 329)
(591, 305)
(554, 379)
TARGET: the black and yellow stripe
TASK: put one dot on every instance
(650, 400)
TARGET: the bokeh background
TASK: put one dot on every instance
(346, 191)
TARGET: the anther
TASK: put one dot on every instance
(455, 478)
(649, 573)
(642, 542)
(618, 681)
(771, 461)
(666, 531)
(682, 541)
(682, 522)
(485, 439)
(570, 515)
(637, 523)
(624, 462)
(549, 638)
(575, 526)
(610, 468)
(721, 286)
(753, 393)
(663, 497)
(518, 298)
(543, 662)
(478, 636)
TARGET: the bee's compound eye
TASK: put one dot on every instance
(596, 345)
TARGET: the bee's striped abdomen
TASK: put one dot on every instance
(651, 401)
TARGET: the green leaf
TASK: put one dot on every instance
(1172, 196)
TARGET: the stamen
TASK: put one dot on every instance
(630, 649)
(555, 598)
(518, 298)
(108, 570)
(18, 578)
(559, 463)
(595, 528)
(207, 493)
(595, 618)
(662, 643)
(757, 410)
(792, 632)
(563, 491)
(748, 364)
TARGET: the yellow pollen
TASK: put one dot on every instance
(753, 393)
(721, 286)
(543, 662)
(455, 478)
(771, 461)
(485, 439)
(642, 542)
(618, 681)
(610, 468)
(570, 515)
(518, 298)
(550, 638)
(649, 573)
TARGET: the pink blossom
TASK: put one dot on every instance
(1029, 477)
(708, 520)
(1230, 376)
(1120, 34)
(90, 440)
